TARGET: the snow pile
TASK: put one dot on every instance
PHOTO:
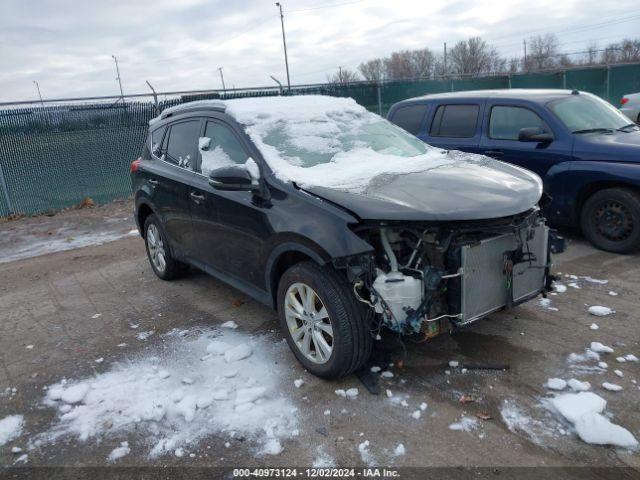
(600, 311)
(600, 348)
(399, 450)
(578, 386)
(556, 384)
(584, 411)
(119, 452)
(330, 142)
(202, 384)
(612, 387)
(10, 428)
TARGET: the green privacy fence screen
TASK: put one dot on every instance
(54, 156)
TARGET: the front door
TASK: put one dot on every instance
(500, 139)
(229, 227)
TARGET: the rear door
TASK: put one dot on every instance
(454, 124)
(170, 174)
(504, 120)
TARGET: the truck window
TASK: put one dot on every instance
(505, 122)
(410, 117)
(456, 121)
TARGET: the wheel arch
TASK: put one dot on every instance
(283, 257)
(142, 213)
(591, 188)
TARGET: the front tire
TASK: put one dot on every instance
(159, 251)
(325, 326)
(610, 219)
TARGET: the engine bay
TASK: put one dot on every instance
(433, 278)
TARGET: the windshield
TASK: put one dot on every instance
(317, 141)
(586, 113)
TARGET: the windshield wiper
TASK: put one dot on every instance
(628, 127)
(595, 130)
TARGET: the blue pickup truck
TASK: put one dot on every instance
(586, 152)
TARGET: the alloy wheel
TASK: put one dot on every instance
(308, 322)
(156, 248)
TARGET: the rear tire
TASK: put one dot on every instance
(610, 219)
(159, 251)
(330, 307)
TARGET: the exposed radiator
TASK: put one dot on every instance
(484, 283)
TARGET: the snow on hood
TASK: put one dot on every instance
(330, 142)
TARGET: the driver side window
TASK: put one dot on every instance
(219, 147)
(506, 122)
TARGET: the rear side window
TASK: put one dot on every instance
(156, 138)
(410, 118)
(505, 123)
(183, 139)
(219, 148)
(457, 121)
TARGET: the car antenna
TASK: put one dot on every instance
(575, 92)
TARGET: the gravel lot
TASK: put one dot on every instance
(60, 312)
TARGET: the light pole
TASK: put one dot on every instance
(284, 43)
(222, 78)
(39, 94)
(115, 59)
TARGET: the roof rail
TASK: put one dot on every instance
(190, 107)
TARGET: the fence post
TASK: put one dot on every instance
(564, 79)
(379, 100)
(608, 83)
(5, 192)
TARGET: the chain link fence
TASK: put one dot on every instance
(55, 154)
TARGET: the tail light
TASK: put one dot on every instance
(624, 100)
(135, 165)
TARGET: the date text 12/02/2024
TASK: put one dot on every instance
(312, 473)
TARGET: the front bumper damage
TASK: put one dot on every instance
(440, 277)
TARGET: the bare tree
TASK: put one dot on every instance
(372, 70)
(422, 63)
(343, 76)
(624, 52)
(399, 65)
(514, 65)
(543, 52)
(474, 56)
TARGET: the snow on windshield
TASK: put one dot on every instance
(330, 142)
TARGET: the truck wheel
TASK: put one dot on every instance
(159, 252)
(610, 219)
(325, 326)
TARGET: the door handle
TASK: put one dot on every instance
(196, 197)
(494, 153)
(153, 182)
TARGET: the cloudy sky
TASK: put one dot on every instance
(67, 45)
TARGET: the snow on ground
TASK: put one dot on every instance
(62, 241)
(191, 390)
(465, 424)
(546, 304)
(10, 428)
(556, 384)
(600, 311)
(584, 411)
(519, 422)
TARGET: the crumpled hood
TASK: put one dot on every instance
(471, 188)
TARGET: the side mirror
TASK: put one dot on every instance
(235, 177)
(534, 134)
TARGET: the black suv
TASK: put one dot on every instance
(339, 220)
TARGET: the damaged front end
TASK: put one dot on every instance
(432, 277)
